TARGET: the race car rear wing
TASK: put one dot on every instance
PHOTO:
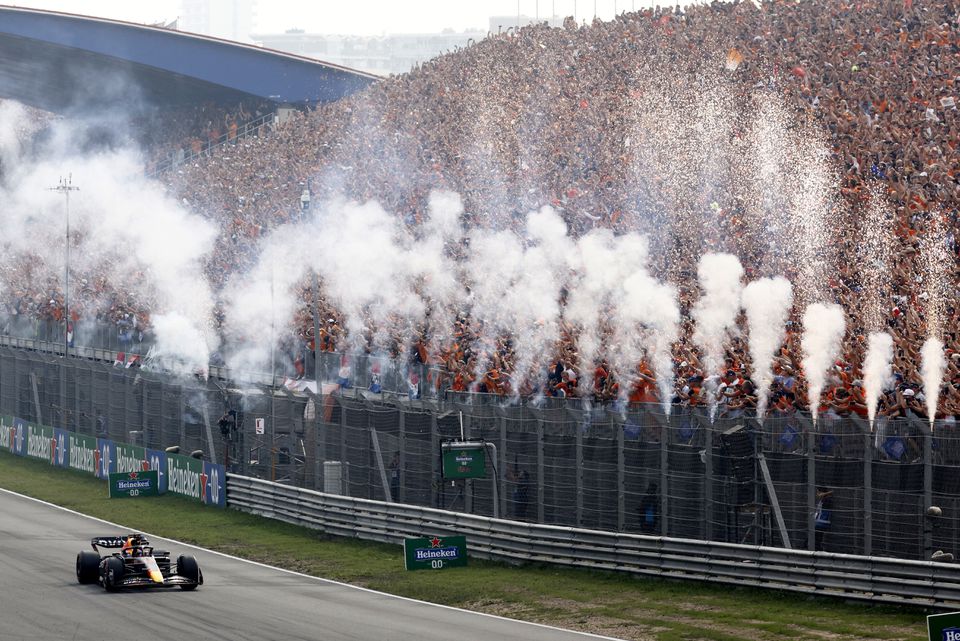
(117, 541)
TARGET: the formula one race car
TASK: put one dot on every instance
(136, 565)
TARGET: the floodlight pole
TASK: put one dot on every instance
(65, 187)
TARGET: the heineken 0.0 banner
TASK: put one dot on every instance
(129, 458)
(197, 479)
(135, 484)
(40, 442)
(183, 475)
(463, 460)
(194, 478)
(944, 627)
(435, 553)
(83, 455)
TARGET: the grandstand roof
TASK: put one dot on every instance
(58, 61)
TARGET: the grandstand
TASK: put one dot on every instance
(578, 118)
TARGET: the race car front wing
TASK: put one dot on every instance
(144, 581)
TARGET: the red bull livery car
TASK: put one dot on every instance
(136, 565)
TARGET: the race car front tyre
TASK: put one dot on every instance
(187, 568)
(88, 567)
(112, 574)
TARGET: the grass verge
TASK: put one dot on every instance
(601, 602)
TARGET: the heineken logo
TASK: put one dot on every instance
(137, 484)
(182, 480)
(950, 634)
(429, 554)
(38, 445)
(83, 457)
(129, 461)
(437, 551)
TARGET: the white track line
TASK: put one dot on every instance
(306, 576)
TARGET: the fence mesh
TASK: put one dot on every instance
(837, 485)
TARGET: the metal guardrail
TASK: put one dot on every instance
(866, 578)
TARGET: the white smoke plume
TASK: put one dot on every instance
(649, 311)
(767, 302)
(601, 264)
(363, 262)
(545, 273)
(932, 365)
(877, 370)
(823, 329)
(716, 312)
(495, 269)
(368, 269)
(123, 229)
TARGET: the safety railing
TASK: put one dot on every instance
(865, 578)
(188, 155)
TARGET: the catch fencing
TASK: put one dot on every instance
(871, 579)
(631, 470)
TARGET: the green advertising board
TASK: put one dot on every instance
(463, 460)
(40, 442)
(130, 458)
(184, 476)
(84, 456)
(436, 553)
(125, 484)
(944, 627)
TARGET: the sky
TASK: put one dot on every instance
(359, 17)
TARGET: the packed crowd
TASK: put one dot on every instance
(543, 116)
(170, 136)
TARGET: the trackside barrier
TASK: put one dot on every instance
(184, 475)
(875, 579)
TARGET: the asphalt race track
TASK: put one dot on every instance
(41, 599)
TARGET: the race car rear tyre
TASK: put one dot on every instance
(187, 568)
(88, 567)
(112, 574)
